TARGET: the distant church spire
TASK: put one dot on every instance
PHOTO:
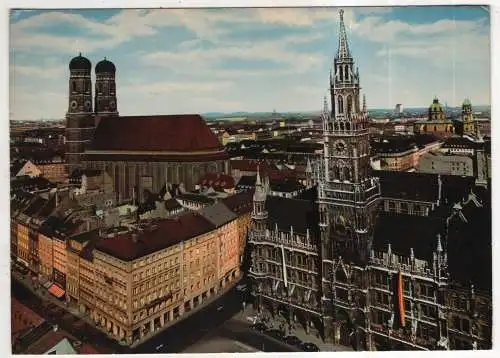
(343, 51)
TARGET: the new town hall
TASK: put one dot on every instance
(375, 260)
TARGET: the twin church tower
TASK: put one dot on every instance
(80, 118)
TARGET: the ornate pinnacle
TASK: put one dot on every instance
(343, 51)
(325, 105)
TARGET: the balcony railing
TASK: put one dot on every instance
(276, 240)
(402, 263)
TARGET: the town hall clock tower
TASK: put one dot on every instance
(348, 201)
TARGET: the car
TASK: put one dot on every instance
(252, 319)
(159, 347)
(275, 333)
(241, 288)
(309, 347)
(292, 340)
(259, 326)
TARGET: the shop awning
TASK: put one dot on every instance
(56, 291)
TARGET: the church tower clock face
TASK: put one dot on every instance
(340, 146)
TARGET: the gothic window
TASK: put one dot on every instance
(340, 171)
(73, 86)
(341, 73)
(340, 275)
(87, 86)
(340, 102)
(349, 104)
(99, 88)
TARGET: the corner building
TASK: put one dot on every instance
(133, 283)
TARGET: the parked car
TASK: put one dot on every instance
(259, 326)
(158, 347)
(241, 288)
(293, 341)
(252, 319)
(309, 347)
(275, 333)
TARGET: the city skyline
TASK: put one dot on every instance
(221, 60)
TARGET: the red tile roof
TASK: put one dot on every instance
(88, 349)
(250, 165)
(166, 133)
(217, 180)
(119, 157)
(166, 233)
(240, 203)
(48, 341)
(22, 318)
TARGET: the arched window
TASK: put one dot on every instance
(340, 171)
(340, 102)
(73, 86)
(349, 104)
(341, 73)
(340, 275)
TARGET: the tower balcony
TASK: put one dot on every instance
(260, 216)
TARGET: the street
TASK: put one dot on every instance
(65, 320)
(217, 328)
(215, 323)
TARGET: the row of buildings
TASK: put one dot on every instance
(380, 260)
(130, 276)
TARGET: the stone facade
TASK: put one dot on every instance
(378, 271)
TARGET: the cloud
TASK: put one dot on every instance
(160, 88)
(193, 60)
(25, 103)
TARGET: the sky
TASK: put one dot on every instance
(258, 60)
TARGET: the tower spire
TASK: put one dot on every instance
(343, 51)
(258, 182)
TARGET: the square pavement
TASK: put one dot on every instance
(298, 331)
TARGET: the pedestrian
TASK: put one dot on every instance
(244, 304)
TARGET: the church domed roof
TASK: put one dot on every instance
(80, 63)
(436, 106)
(105, 66)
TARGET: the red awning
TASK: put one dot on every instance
(56, 291)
